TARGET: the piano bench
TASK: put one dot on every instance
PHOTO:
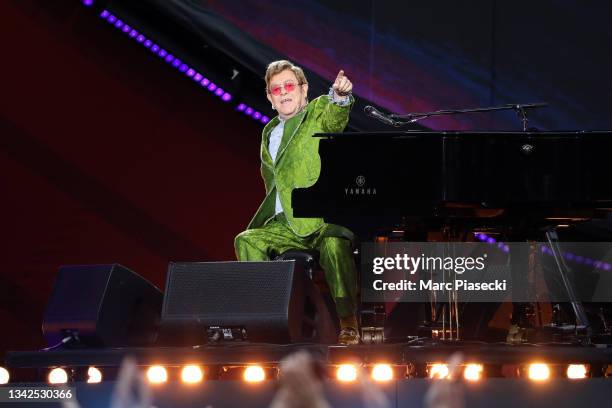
(310, 259)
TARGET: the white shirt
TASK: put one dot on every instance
(275, 140)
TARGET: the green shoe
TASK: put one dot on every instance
(348, 337)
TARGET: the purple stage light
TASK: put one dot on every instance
(177, 63)
(491, 240)
(88, 3)
(607, 266)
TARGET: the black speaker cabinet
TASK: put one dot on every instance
(105, 305)
(272, 302)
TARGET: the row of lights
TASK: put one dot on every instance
(193, 374)
(165, 55)
(569, 256)
(175, 62)
(534, 371)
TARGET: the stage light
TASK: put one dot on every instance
(473, 372)
(94, 375)
(4, 376)
(382, 372)
(538, 372)
(192, 374)
(438, 371)
(58, 376)
(253, 374)
(88, 3)
(576, 371)
(177, 63)
(346, 373)
(157, 374)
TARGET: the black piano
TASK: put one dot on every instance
(488, 177)
(521, 185)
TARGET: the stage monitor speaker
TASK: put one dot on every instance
(102, 305)
(269, 302)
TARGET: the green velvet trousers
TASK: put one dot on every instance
(335, 256)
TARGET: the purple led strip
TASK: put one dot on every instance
(569, 256)
(176, 63)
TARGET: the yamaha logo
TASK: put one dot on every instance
(360, 188)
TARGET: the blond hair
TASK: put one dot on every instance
(276, 67)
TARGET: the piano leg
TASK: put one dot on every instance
(582, 320)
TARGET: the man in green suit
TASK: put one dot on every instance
(290, 159)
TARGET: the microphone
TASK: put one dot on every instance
(376, 114)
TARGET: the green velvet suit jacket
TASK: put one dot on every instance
(297, 162)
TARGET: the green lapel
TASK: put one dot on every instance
(266, 158)
(291, 127)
